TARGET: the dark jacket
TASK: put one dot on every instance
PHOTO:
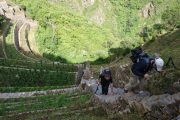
(141, 68)
(104, 81)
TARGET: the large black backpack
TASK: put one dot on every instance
(137, 55)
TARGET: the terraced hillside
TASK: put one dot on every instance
(15, 38)
(4, 30)
(23, 71)
(40, 40)
(20, 58)
(67, 106)
(91, 30)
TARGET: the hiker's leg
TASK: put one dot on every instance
(103, 89)
(106, 89)
(83, 86)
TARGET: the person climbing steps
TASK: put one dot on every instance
(106, 81)
(140, 69)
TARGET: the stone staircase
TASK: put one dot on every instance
(120, 103)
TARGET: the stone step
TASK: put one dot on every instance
(159, 100)
(107, 98)
(121, 103)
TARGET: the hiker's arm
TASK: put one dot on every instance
(146, 76)
(99, 80)
(111, 85)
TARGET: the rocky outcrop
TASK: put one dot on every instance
(117, 103)
(113, 105)
(148, 10)
(14, 13)
(176, 86)
(157, 106)
(162, 107)
(3, 7)
(177, 118)
(121, 75)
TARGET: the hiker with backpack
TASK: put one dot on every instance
(106, 81)
(142, 64)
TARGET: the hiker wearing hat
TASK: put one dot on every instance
(140, 70)
(106, 81)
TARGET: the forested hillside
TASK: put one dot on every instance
(88, 30)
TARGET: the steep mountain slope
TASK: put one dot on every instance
(80, 30)
(167, 45)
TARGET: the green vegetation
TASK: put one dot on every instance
(171, 18)
(38, 65)
(55, 107)
(68, 32)
(22, 73)
(18, 73)
(64, 35)
(71, 32)
(13, 106)
(17, 77)
(4, 24)
(10, 47)
(167, 45)
(1, 39)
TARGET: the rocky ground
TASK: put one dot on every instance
(118, 103)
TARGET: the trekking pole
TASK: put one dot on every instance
(97, 89)
(172, 62)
